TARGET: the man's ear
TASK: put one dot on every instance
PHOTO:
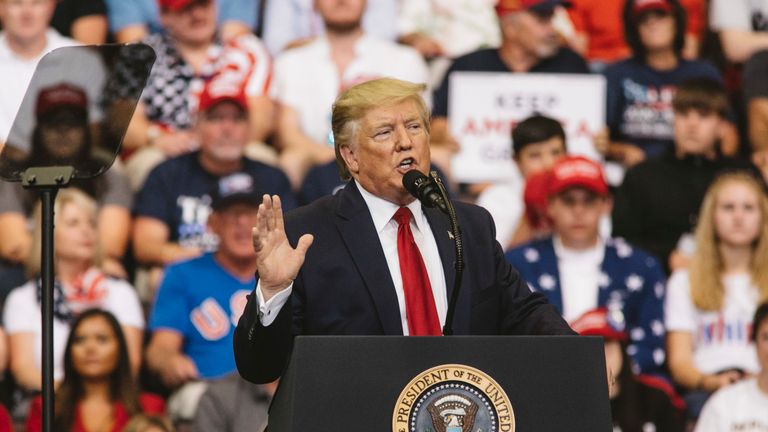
(350, 159)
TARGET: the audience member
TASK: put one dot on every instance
(132, 20)
(190, 55)
(344, 56)
(171, 214)
(537, 142)
(233, 405)
(82, 20)
(99, 392)
(659, 200)
(24, 39)
(79, 285)
(448, 28)
(638, 403)
(292, 23)
(200, 301)
(755, 93)
(529, 44)
(599, 29)
(578, 270)
(640, 89)
(62, 136)
(709, 306)
(743, 27)
(744, 405)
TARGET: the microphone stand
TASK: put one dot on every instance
(459, 248)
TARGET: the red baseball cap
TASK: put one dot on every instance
(641, 6)
(601, 322)
(219, 90)
(535, 197)
(576, 171)
(177, 5)
(60, 95)
(504, 7)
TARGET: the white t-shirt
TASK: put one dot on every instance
(739, 407)
(720, 339)
(579, 277)
(307, 80)
(504, 201)
(17, 73)
(459, 26)
(747, 15)
(22, 315)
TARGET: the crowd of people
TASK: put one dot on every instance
(155, 259)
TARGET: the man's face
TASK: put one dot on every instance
(696, 132)
(26, 19)
(539, 156)
(341, 15)
(656, 29)
(195, 24)
(575, 215)
(233, 227)
(390, 141)
(224, 131)
(533, 32)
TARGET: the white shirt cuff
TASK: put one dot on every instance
(268, 310)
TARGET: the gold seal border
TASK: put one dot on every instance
(453, 373)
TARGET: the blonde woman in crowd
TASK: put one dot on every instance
(709, 307)
(78, 285)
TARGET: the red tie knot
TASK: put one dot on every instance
(403, 216)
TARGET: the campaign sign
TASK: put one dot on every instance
(485, 106)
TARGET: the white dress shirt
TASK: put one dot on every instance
(386, 228)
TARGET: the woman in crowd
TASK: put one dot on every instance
(98, 393)
(640, 89)
(62, 136)
(79, 285)
(742, 406)
(708, 306)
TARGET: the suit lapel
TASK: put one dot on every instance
(354, 222)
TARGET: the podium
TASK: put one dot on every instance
(443, 384)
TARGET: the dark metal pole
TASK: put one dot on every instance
(48, 196)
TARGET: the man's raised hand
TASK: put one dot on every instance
(278, 263)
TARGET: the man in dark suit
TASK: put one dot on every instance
(354, 279)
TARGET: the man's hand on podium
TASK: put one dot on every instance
(277, 262)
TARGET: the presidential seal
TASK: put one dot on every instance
(453, 398)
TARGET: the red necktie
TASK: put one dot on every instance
(420, 309)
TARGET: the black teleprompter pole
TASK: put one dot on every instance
(47, 180)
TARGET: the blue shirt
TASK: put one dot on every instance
(202, 302)
(177, 192)
(639, 109)
(123, 13)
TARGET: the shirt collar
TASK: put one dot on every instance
(594, 253)
(383, 210)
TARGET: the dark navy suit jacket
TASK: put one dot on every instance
(344, 286)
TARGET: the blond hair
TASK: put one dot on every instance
(352, 105)
(707, 266)
(64, 197)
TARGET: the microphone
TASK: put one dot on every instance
(425, 189)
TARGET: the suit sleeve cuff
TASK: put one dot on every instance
(269, 309)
